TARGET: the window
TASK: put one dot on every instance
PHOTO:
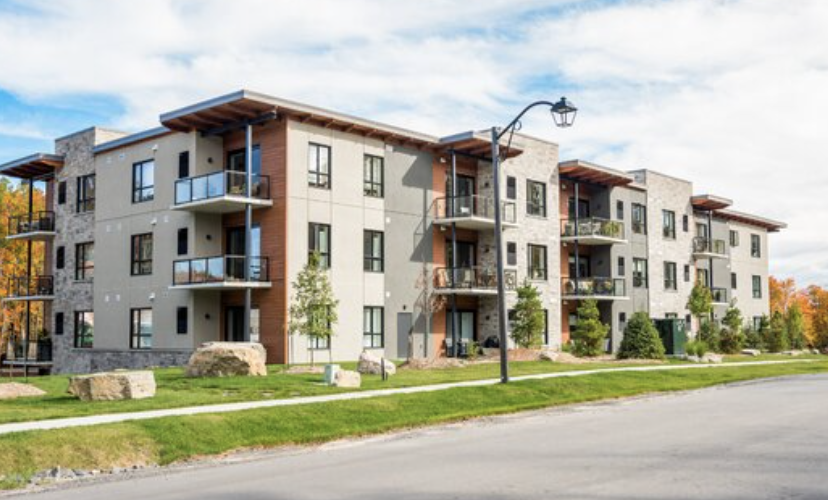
(536, 198)
(319, 343)
(734, 238)
(757, 287)
(670, 278)
(61, 193)
(537, 262)
(319, 166)
(373, 328)
(374, 171)
(685, 223)
(546, 327)
(622, 266)
(755, 246)
(319, 240)
(237, 160)
(639, 218)
(686, 273)
(84, 261)
(669, 219)
(511, 253)
(143, 181)
(703, 277)
(140, 331)
(757, 323)
(183, 164)
(374, 247)
(622, 321)
(142, 254)
(511, 188)
(733, 281)
(60, 257)
(86, 193)
(640, 278)
(183, 241)
(181, 320)
(84, 329)
(59, 324)
(619, 210)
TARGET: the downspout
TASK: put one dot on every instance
(454, 347)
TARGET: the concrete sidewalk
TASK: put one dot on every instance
(63, 423)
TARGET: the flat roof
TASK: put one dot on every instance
(754, 220)
(33, 166)
(710, 202)
(131, 139)
(584, 171)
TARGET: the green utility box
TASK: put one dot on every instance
(673, 333)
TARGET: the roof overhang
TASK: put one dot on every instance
(477, 144)
(710, 202)
(583, 171)
(33, 166)
(770, 225)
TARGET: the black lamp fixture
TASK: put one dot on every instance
(563, 112)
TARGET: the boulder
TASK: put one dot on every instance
(225, 359)
(712, 357)
(751, 352)
(112, 386)
(693, 358)
(347, 378)
(13, 390)
(549, 355)
(372, 365)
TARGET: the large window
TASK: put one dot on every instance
(86, 193)
(374, 249)
(143, 181)
(319, 166)
(537, 262)
(757, 287)
(84, 261)
(640, 277)
(374, 176)
(755, 245)
(142, 254)
(140, 330)
(536, 198)
(669, 218)
(373, 328)
(84, 329)
(319, 240)
(639, 218)
(670, 276)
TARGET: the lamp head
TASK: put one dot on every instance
(563, 112)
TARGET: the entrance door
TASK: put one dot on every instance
(405, 325)
(465, 326)
(234, 324)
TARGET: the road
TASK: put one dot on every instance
(759, 440)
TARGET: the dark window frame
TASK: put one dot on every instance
(534, 272)
(183, 164)
(314, 230)
(670, 276)
(371, 338)
(142, 192)
(373, 263)
(734, 281)
(373, 187)
(316, 177)
(619, 210)
(641, 277)
(83, 339)
(511, 187)
(60, 257)
(756, 290)
(141, 265)
(511, 253)
(668, 221)
(536, 208)
(638, 214)
(84, 201)
(60, 325)
(136, 336)
(61, 193)
(182, 320)
(183, 241)
(734, 238)
(756, 246)
(83, 270)
(622, 266)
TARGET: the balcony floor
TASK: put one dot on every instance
(596, 297)
(224, 285)
(223, 204)
(472, 223)
(31, 298)
(593, 240)
(709, 255)
(34, 236)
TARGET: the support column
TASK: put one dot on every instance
(453, 322)
(27, 338)
(248, 229)
(577, 247)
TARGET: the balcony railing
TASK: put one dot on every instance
(39, 351)
(33, 222)
(472, 278)
(594, 287)
(220, 269)
(220, 184)
(720, 295)
(475, 206)
(709, 246)
(22, 287)
(594, 227)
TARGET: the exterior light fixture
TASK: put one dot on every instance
(563, 112)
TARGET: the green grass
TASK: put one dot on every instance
(176, 391)
(168, 440)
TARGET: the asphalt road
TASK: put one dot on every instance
(765, 439)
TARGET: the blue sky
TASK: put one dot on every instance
(727, 93)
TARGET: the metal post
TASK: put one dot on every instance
(710, 260)
(27, 338)
(454, 347)
(577, 247)
(501, 289)
(248, 230)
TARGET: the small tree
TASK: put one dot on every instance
(710, 334)
(528, 324)
(776, 337)
(641, 339)
(313, 307)
(731, 338)
(700, 302)
(589, 332)
(795, 323)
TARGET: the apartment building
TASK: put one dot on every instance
(194, 231)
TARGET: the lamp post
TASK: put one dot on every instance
(563, 113)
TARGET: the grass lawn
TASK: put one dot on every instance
(166, 440)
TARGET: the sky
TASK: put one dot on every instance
(731, 94)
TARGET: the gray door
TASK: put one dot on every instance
(404, 327)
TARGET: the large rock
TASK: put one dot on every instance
(712, 357)
(225, 359)
(347, 378)
(112, 386)
(548, 355)
(13, 390)
(372, 365)
(751, 352)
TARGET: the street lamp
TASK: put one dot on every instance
(563, 113)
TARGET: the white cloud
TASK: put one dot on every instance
(727, 93)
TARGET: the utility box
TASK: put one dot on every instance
(673, 333)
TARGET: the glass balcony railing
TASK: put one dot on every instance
(21, 287)
(709, 246)
(34, 222)
(472, 278)
(482, 207)
(720, 295)
(220, 184)
(592, 227)
(220, 269)
(594, 287)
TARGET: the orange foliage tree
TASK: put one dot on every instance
(812, 301)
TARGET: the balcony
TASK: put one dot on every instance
(472, 212)
(30, 288)
(19, 352)
(224, 272)
(706, 248)
(221, 192)
(32, 226)
(593, 231)
(594, 288)
(720, 296)
(472, 281)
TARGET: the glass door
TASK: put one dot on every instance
(234, 324)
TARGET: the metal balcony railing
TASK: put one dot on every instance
(594, 226)
(472, 278)
(593, 287)
(31, 286)
(710, 246)
(482, 207)
(31, 223)
(220, 269)
(220, 184)
(39, 351)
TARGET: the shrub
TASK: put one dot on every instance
(753, 339)
(696, 348)
(589, 333)
(528, 323)
(710, 334)
(641, 340)
(795, 323)
(731, 338)
(776, 337)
